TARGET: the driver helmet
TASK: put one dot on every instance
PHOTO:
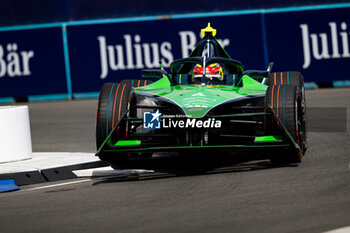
(213, 71)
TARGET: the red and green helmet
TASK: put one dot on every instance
(212, 71)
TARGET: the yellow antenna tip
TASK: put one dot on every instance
(208, 30)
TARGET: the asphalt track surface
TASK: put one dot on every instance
(236, 196)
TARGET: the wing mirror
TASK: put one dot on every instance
(154, 73)
(256, 73)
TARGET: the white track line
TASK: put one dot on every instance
(61, 184)
(340, 230)
(108, 171)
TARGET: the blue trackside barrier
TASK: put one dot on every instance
(87, 95)
(73, 59)
(48, 97)
(8, 185)
(7, 100)
(310, 85)
(344, 83)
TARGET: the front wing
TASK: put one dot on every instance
(114, 143)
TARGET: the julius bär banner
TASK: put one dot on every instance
(112, 52)
(314, 42)
(32, 63)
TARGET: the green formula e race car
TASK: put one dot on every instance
(206, 104)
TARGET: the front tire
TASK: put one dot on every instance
(114, 102)
(287, 103)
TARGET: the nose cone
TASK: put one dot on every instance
(197, 101)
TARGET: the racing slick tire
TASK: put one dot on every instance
(102, 113)
(114, 102)
(287, 102)
(294, 78)
(286, 78)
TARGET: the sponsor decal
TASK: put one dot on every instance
(191, 123)
(14, 62)
(152, 120)
(198, 94)
(133, 53)
(316, 45)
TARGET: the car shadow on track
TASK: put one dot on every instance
(192, 165)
